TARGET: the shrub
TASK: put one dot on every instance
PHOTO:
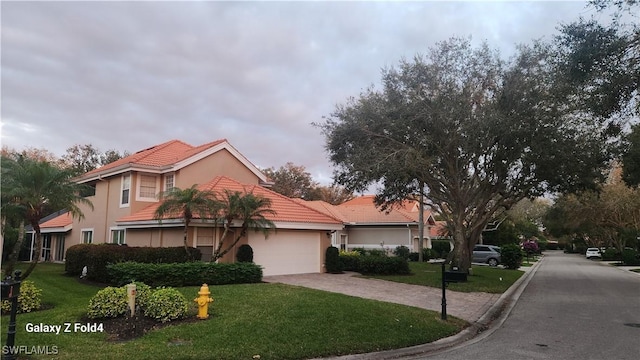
(143, 292)
(530, 247)
(245, 253)
(166, 304)
(97, 257)
(630, 257)
(376, 265)
(511, 256)
(402, 251)
(185, 274)
(611, 254)
(29, 299)
(441, 248)
(332, 260)
(350, 260)
(109, 302)
(426, 255)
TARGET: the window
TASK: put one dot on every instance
(60, 248)
(147, 186)
(126, 190)
(87, 236)
(117, 236)
(169, 182)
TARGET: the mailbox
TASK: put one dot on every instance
(455, 276)
(10, 289)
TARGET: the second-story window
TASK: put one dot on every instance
(147, 187)
(126, 190)
(169, 182)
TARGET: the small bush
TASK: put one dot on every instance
(426, 255)
(185, 274)
(30, 298)
(440, 248)
(143, 292)
(511, 256)
(377, 265)
(166, 304)
(109, 302)
(332, 260)
(630, 257)
(245, 253)
(402, 251)
(611, 254)
(350, 260)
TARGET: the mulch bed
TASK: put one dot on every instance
(126, 328)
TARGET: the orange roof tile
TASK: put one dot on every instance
(58, 221)
(286, 209)
(165, 154)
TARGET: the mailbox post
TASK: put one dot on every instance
(449, 277)
(11, 291)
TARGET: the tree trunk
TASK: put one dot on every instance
(36, 258)
(13, 256)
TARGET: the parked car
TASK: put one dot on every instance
(486, 254)
(593, 253)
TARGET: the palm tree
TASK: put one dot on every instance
(248, 208)
(187, 203)
(38, 188)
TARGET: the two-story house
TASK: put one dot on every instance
(125, 196)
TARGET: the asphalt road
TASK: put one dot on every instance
(572, 308)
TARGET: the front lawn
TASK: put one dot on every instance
(484, 278)
(274, 321)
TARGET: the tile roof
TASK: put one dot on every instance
(162, 155)
(362, 210)
(58, 221)
(286, 209)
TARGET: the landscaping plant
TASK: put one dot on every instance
(511, 256)
(332, 260)
(29, 300)
(166, 304)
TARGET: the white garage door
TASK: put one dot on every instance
(286, 252)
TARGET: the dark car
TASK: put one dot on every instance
(486, 254)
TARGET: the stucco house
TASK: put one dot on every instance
(125, 197)
(366, 226)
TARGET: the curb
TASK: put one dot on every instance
(479, 330)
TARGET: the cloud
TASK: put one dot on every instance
(128, 75)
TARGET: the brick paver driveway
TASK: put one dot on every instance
(467, 306)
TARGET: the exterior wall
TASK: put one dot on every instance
(372, 237)
(217, 164)
(163, 237)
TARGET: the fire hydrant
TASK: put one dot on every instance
(203, 301)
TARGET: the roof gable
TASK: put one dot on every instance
(168, 157)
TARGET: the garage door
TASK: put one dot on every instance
(286, 252)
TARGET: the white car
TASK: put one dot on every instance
(593, 253)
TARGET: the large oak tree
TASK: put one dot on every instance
(479, 132)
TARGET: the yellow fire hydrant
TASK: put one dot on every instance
(203, 301)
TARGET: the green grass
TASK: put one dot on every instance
(274, 321)
(530, 261)
(484, 278)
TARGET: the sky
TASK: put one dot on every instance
(129, 75)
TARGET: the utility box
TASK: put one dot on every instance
(455, 276)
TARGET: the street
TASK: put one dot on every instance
(572, 308)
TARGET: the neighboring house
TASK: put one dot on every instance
(366, 226)
(125, 197)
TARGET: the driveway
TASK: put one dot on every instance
(467, 306)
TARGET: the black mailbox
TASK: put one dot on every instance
(455, 276)
(10, 289)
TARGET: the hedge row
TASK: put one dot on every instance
(374, 265)
(184, 274)
(96, 257)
